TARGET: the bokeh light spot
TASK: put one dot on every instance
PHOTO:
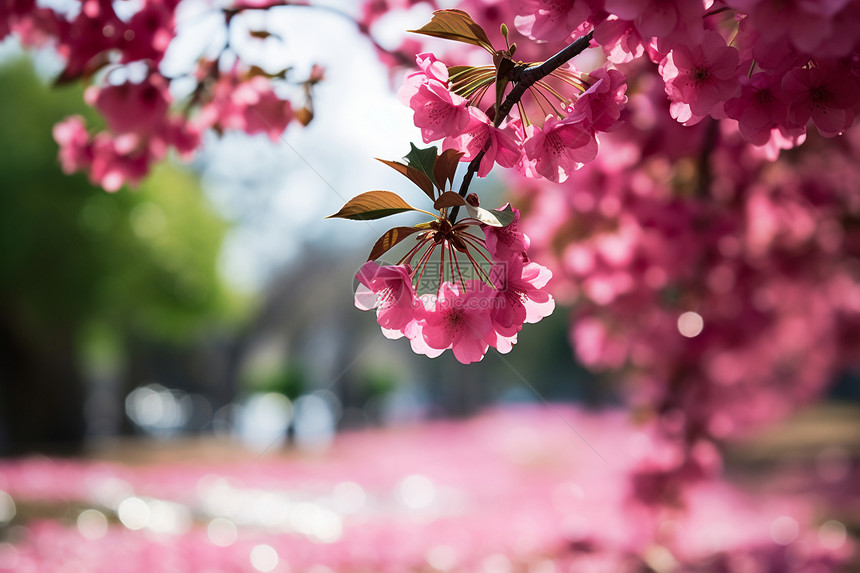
(264, 558)
(690, 324)
(222, 532)
(784, 530)
(148, 220)
(832, 534)
(416, 491)
(7, 507)
(92, 524)
(442, 557)
(348, 497)
(134, 513)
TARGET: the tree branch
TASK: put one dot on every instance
(524, 77)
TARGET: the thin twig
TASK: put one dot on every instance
(523, 78)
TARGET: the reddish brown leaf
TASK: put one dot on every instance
(458, 26)
(372, 205)
(390, 238)
(417, 177)
(304, 115)
(445, 167)
(448, 199)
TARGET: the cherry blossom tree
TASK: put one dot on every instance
(684, 173)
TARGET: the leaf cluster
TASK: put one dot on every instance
(433, 173)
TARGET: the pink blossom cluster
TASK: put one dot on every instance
(119, 55)
(772, 67)
(511, 488)
(724, 284)
(466, 315)
(719, 272)
(563, 143)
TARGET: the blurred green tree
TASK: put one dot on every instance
(75, 260)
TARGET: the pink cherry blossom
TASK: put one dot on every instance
(500, 144)
(698, 78)
(149, 32)
(550, 20)
(806, 25)
(248, 105)
(506, 242)
(389, 290)
(119, 160)
(559, 149)
(619, 39)
(438, 112)
(460, 321)
(430, 70)
(759, 108)
(599, 107)
(520, 294)
(433, 68)
(150, 100)
(653, 18)
(825, 94)
(71, 135)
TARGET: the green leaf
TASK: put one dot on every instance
(458, 26)
(449, 199)
(390, 238)
(445, 167)
(422, 160)
(492, 217)
(372, 205)
(414, 175)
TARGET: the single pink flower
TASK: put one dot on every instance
(619, 39)
(148, 33)
(502, 144)
(267, 113)
(150, 100)
(658, 18)
(599, 107)
(432, 68)
(550, 20)
(183, 136)
(559, 149)
(438, 112)
(699, 77)
(520, 295)
(76, 150)
(389, 290)
(825, 94)
(119, 160)
(759, 108)
(506, 242)
(246, 105)
(459, 321)
(82, 41)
